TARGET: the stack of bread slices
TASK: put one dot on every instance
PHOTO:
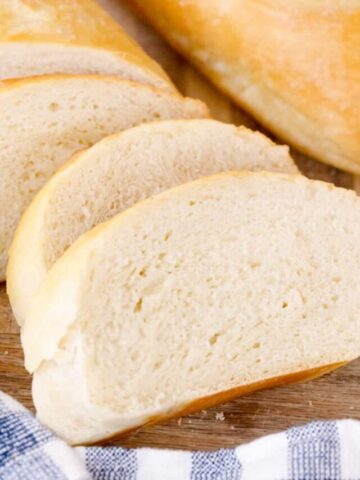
(160, 261)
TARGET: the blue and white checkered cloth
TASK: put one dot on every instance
(317, 451)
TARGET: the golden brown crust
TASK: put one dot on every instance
(72, 23)
(225, 396)
(13, 83)
(294, 66)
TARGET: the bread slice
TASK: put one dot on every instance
(118, 172)
(73, 37)
(44, 120)
(206, 291)
(293, 65)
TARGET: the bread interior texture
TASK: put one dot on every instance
(200, 294)
(214, 285)
(142, 162)
(45, 120)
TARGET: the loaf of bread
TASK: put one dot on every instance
(70, 36)
(44, 120)
(295, 65)
(118, 172)
(204, 292)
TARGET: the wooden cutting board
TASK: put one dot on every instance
(335, 395)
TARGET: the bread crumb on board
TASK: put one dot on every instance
(219, 416)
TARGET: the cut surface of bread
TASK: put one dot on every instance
(205, 291)
(115, 174)
(70, 36)
(294, 65)
(44, 120)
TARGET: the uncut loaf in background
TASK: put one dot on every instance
(118, 172)
(70, 36)
(209, 290)
(294, 65)
(44, 120)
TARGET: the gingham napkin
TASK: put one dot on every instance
(317, 451)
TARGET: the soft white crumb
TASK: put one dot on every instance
(220, 416)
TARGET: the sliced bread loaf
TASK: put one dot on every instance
(118, 172)
(70, 36)
(209, 290)
(44, 120)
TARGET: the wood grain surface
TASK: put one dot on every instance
(335, 395)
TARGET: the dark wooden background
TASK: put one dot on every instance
(335, 395)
